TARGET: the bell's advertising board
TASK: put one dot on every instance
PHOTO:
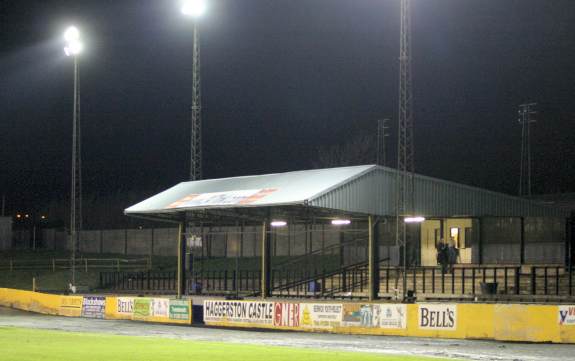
(125, 305)
(149, 309)
(437, 316)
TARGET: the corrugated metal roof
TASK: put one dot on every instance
(367, 189)
(251, 191)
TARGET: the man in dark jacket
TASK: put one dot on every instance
(452, 256)
(442, 255)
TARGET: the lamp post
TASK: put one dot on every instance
(73, 49)
(195, 9)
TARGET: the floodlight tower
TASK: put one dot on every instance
(195, 9)
(73, 49)
(405, 157)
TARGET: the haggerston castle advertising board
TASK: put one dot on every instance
(239, 312)
(296, 315)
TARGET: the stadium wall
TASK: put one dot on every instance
(513, 322)
(147, 309)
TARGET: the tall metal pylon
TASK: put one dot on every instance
(195, 144)
(405, 152)
(196, 131)
(525, 112)
(76, 179)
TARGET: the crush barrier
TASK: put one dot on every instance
(147, 309)
(503, 322)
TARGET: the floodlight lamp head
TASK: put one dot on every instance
(72, 34)
(73, 44)
(74, 48)
(194, 8)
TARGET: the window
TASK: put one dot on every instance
(454, 233)
(468, 237)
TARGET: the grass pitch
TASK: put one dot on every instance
(18, 344)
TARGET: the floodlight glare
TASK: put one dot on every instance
(414, 219)
(278, 223)
(340, 222)
(195, 8)
(73, 44)
(72, 34)
(74, 48)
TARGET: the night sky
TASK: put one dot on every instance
(281, 79)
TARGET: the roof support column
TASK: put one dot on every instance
(181, 281)
(480, 241)
(341, 248)
(265, 276)
(522, 242)
(569, 242)
(373, 258)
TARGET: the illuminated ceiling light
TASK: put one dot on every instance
(278, 223)
(340, 222)
(18, 215)
(43, 217)
(417, 219)
(195, 8)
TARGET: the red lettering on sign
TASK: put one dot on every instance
(286, 314)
